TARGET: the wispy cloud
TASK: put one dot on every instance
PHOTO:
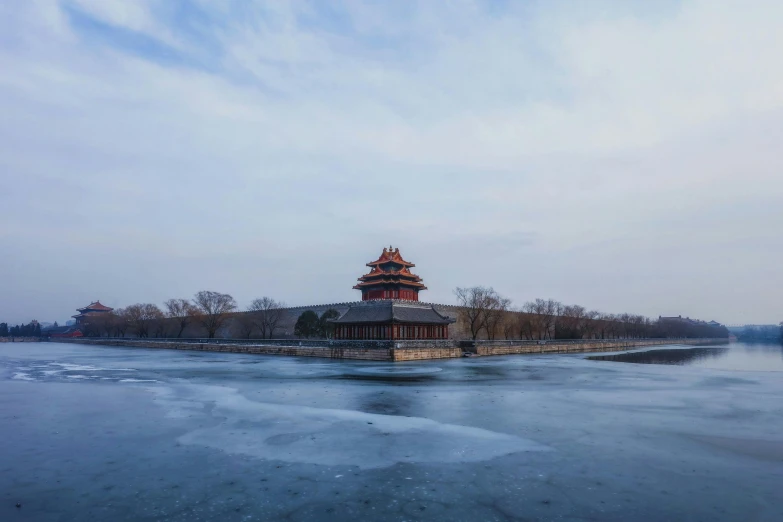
(270, 147)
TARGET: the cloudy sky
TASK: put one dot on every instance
(622, 155)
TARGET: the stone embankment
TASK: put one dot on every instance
(20, 339)
(578, 346)
(359, 350)
(390, 350)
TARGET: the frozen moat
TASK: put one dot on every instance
(99, 433)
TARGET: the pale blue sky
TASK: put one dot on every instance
(619, 155)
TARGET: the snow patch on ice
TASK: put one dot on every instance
(332, 437)
(78, 367)
(21, 376)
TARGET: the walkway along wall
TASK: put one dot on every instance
(386, 350)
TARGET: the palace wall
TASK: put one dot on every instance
(285, 329)
(290, 315)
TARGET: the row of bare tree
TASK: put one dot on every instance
(483, 311)
(210, 310)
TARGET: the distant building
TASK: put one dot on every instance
(390, 308)
(91, 310)
(688, 320)
(63, 332)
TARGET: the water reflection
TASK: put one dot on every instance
(386, 403)
(738, 356)
(392, 373)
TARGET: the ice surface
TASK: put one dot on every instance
(333, 436)
(103, 433)
(52, 370)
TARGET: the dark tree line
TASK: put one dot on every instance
(310, 325)
(214, 312)
(761, 333)
(32, 329)
(486, 313)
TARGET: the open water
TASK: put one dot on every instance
(761, 357)
(100, 433)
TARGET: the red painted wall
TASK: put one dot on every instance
(408, 295)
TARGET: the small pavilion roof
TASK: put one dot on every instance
(390, 256)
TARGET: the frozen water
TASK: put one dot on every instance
(210, 436)
(740, 357)
(367, 440)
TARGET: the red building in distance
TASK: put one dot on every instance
(91, 310)
(390, 277)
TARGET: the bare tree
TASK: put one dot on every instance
(160, 326)
(495, 313)
(102, 324)
(142, 316)
(266, 313)
(610, 325)
(245, 323)
(525, 322)
(477, 308)
(119, 322)
(571, 322)
(510, 327)
(590, 322)
(471, 302)
(213, 310)
(94, 326)
(542, 321)
(182, 312)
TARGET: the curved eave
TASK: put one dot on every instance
(370, 284)
(390, 277)
(389, 261)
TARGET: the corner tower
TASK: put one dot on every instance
(390, 277)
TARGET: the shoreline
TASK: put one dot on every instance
(392, 351)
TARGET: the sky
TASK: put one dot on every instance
(620, 155)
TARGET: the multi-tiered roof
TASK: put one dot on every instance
(92, 309)
(390, 277)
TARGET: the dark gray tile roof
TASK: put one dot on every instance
(392, 311)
